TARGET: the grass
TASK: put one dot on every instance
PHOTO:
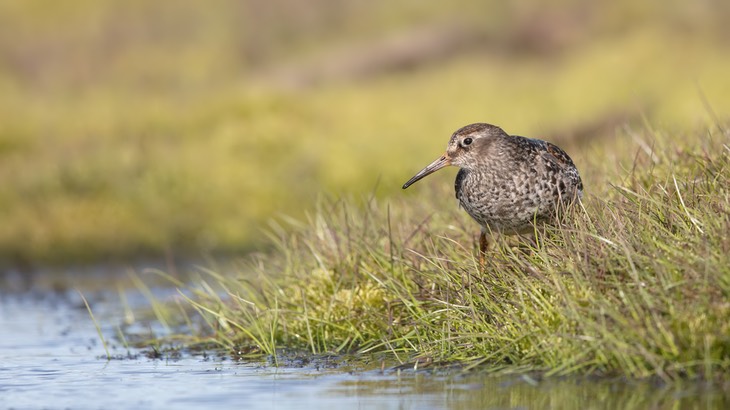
(96, 325)
(636, 283)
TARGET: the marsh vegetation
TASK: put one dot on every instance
(636, 284)
(281, 134)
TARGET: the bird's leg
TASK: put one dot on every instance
(483, 245)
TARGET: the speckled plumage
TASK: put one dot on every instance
(507, 182)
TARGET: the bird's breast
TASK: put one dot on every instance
(510, 200)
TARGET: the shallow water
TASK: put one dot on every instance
(52, 357)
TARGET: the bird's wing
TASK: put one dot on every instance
(557, 156)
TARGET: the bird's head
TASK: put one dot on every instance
(467, 148)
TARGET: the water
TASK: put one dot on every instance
(51, 357)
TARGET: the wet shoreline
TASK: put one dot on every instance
(51, 357)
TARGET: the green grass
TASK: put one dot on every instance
(636, 283)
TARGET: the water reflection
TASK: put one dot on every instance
(488, 392)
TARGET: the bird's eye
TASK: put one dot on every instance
(466, 141)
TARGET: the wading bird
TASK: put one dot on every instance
(507, 183)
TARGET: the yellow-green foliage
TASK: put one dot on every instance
(636, 282)
(134, 127)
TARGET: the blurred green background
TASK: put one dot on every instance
(136, 128)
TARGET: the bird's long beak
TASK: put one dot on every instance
(444, 161)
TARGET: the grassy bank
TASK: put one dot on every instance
(637, 284)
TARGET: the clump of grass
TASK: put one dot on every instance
(636, 283)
